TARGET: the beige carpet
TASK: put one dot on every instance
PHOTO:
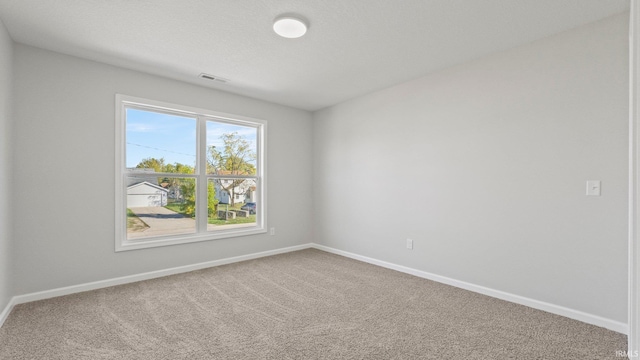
(303, 305)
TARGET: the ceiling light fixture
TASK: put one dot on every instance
(290, 26)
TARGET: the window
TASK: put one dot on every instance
(186, 174)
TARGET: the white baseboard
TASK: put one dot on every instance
(540, 305)
(5, 312)
(47, 294)
(536, 304)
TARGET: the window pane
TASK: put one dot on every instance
(231, 149)
(160, 142)
(186, 175)
(232, 203)
(162, 207)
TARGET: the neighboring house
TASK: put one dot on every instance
(146, 194)
(136, 175)
(246, 192)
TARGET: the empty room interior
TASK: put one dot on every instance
(318, 180)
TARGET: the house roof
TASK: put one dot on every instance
(147, 184)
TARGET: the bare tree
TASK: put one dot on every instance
(235, 158)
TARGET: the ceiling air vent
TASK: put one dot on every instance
(213, 78)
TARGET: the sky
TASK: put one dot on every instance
(157, 135)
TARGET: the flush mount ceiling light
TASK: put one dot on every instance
(290, 26)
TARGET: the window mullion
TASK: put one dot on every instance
(201, 193)
(141, 137)
(158, 174)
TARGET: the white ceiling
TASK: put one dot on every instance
(353, 47)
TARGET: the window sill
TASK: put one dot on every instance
(146, 243)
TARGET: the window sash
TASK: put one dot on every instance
(202, 117)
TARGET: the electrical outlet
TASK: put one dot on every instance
(593, 187)
(272, 231)
(409, 244)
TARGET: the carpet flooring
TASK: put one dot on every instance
(307, 304)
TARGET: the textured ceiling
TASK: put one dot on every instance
(353, 47)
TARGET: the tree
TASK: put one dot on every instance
(179, 168)
(152, 163)
(188, 191)
(158, 165)
(235, 158)
(185, 187)
(212, 201)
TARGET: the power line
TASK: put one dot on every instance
(155, 148)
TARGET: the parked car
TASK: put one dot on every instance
(250, 206)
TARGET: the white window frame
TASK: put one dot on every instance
(202, 116)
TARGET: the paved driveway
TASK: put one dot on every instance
(162, 221)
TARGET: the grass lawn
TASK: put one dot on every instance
(134, 224)
(238, 220)
(214, 220)
(174, 207)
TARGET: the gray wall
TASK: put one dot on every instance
(64, 171)
(484, 166)
(6, 76)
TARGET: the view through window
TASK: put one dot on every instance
(188, 176)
